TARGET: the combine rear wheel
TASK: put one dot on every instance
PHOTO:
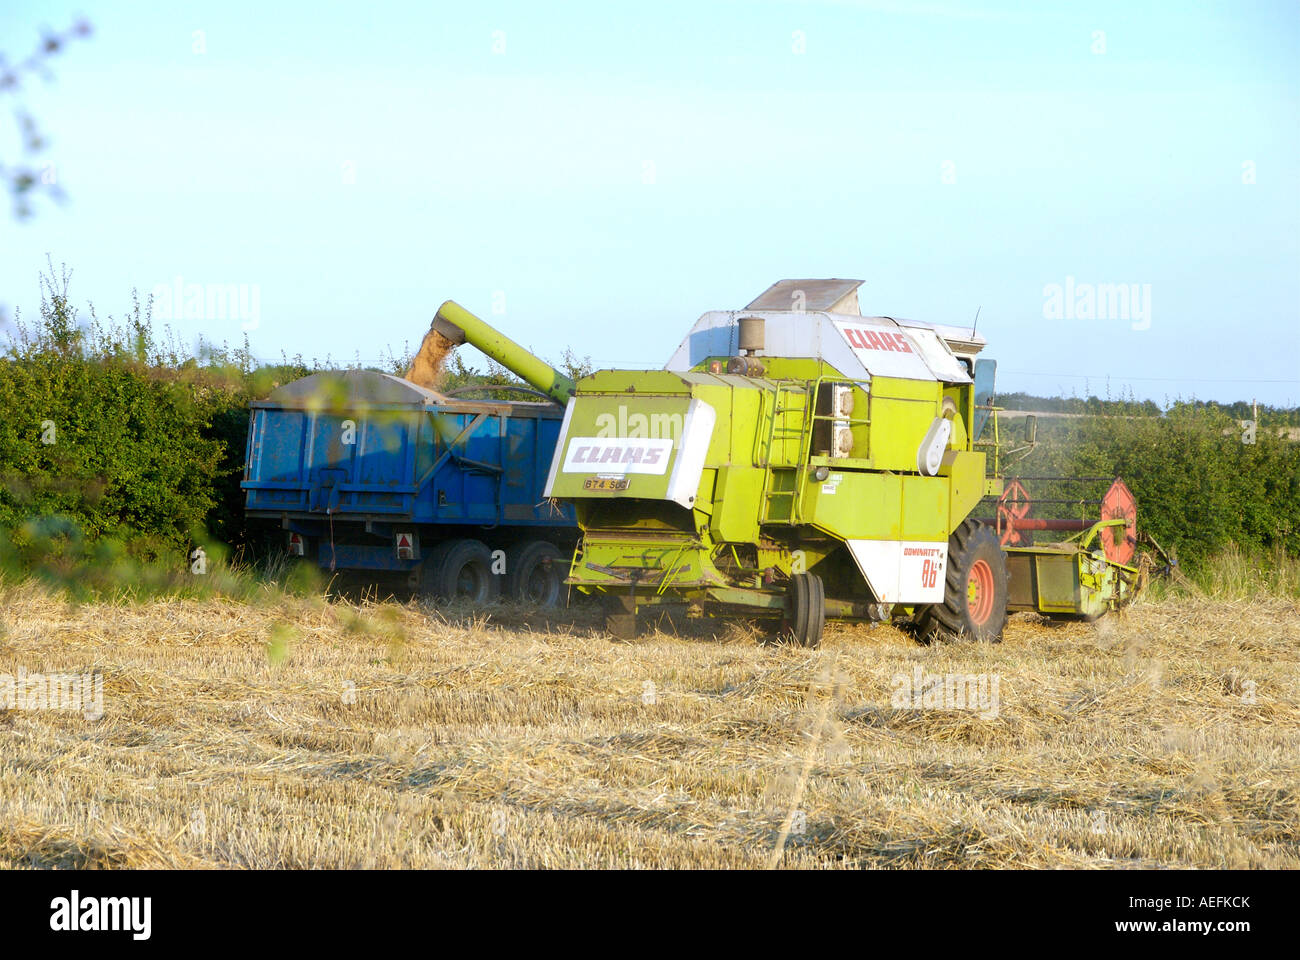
(805, 610)
(975, 596)
(459, 570)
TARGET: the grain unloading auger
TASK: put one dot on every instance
(799, 461)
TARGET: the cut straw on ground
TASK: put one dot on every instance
(302, 733)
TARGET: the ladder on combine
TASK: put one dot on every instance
(783, 450)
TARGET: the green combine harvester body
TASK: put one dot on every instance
(799, 463)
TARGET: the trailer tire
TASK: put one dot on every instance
(459, 570)
(805, 610)
(975, 590)
(535, 573)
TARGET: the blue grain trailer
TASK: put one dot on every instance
(369, 472)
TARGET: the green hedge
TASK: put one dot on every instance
(105, 432)
(118, 450)
(1199, 488)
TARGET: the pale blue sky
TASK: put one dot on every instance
(525, 172)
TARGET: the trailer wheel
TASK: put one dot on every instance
(535, 573)
(459, 570)
(805, 610)
(975, 593)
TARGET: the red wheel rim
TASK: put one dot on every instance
(979, 592)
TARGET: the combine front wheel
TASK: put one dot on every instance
(975, 596)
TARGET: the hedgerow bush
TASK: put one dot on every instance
(119, 437)
(93, 433)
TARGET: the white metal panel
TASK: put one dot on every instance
(697, 433)
(883, 349)
(938, 357)
(913, 352)
(714, 335)
(902, 571)
(558, 457)
(961, 340)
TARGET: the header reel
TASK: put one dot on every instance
(1116, 525)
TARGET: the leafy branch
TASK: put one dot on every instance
(27, 176)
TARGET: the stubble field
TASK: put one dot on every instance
(300, 733)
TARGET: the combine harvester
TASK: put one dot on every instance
(798, 461)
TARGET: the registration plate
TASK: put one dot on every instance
(610, 484)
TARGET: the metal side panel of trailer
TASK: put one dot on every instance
(368, 446)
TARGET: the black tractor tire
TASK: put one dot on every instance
(459, 570)
(974, 606)
(805, 610)
(535, 572)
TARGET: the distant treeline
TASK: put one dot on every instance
(1120, 406)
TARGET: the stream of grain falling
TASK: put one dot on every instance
(427, 367)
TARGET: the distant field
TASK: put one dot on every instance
(307, 734)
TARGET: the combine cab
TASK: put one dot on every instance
(800, 461)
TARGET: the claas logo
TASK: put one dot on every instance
(877, 340)
(615, 454)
